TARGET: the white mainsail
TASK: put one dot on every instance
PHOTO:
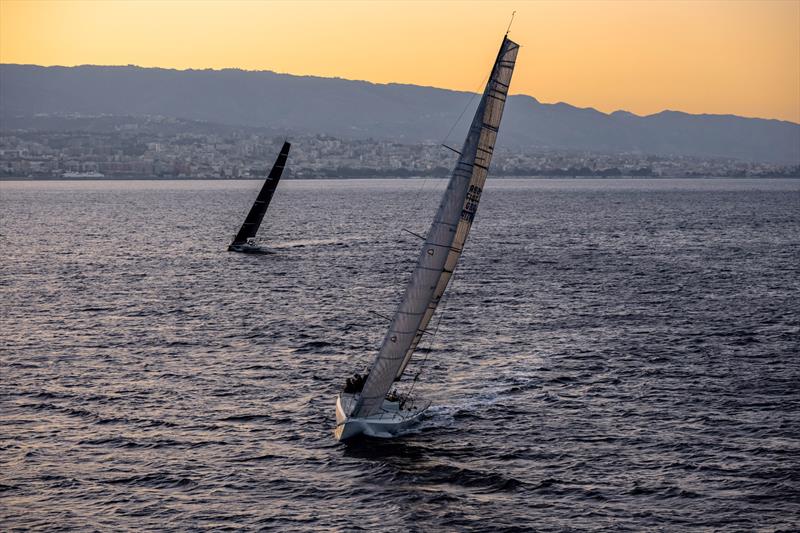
(445, 239)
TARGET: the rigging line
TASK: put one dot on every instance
(469, 102)
(476, 92)
(416, 201)
(432, 337)
(452, 149)
(412, 233)
(381, 316)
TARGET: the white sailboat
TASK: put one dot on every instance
(363, 407)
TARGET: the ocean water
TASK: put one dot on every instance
(612, 354)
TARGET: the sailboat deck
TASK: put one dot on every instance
(390, 410)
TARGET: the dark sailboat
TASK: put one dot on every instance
(244, 241)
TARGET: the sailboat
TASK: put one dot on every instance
(244, 241)
(363, 407)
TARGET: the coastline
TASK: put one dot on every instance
(362, 178)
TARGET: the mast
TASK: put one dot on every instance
(445, 239)
(256, 214)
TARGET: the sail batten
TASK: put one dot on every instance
(256, 215)
(444, 240)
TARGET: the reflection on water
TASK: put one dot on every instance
(613, 353)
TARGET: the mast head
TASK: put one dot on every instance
(510, 23)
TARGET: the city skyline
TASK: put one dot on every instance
(167, 148)
(738, 58)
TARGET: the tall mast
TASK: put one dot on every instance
(445, 238)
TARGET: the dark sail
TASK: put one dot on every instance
(256, 214)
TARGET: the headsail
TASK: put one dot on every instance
(256, 214)
(445, 239)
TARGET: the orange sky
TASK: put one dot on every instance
(730, 56)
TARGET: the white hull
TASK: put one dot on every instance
(388, 423)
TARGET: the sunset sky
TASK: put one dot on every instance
(735, 57)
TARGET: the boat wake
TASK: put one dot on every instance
(309, 243)
(445, 415)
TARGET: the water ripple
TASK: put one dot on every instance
(614, 354)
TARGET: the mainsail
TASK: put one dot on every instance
(256, 214)
(445, 239)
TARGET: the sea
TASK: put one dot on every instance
(612, 354)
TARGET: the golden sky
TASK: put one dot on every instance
(729, 56)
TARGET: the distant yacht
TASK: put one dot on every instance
(92, 174)
(244, 241)
(366, 405)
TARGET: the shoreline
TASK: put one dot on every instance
(328, 178)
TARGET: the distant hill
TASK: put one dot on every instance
(358, 109)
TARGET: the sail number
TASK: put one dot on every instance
(471, 204)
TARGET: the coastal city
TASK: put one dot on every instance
(167, 148)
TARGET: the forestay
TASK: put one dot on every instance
(445, 239)
(256, 214)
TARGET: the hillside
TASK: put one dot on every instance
(357, 109)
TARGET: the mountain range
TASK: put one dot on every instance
(359, 109)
